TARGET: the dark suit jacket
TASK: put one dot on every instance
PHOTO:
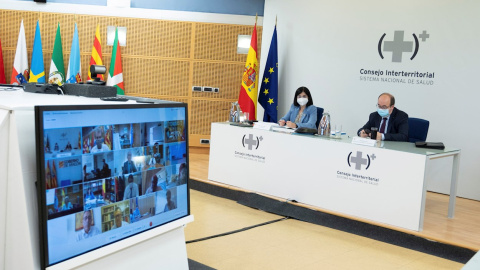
(397, 129)
(132, 167)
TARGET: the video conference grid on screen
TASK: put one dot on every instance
(112, 176)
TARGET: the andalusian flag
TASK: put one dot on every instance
(37, 70)
(248, 92)
(20, 64)
(74, 73)
(57, 68)
(268, 96)
(96, 58)
(2, 70)
(115, 75)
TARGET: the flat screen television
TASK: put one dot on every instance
(108, 173)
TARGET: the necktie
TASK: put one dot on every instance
(382, 127)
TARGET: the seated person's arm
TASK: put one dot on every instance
(401, 126)
(286, 118)
(370, 123)
(311, 112)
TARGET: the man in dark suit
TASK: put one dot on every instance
(391, 122)
(129, 166)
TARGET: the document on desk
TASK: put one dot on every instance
(283, 129)
(364, 141)
(265, 125)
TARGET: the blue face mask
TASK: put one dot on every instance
(383, 112)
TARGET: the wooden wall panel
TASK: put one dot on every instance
(156, 77)
(204, 112)
(162, 59)
(219, 41)
(221, 75)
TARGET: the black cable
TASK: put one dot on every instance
(236, 231)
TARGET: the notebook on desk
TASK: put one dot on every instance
(430, 145)
(241, 124)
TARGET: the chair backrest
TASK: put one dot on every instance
(417, 129)
(319, 116)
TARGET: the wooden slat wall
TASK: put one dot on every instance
(162, 59)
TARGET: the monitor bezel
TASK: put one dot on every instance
(40, 158)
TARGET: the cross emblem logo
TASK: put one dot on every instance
(359, 160)
(251, 141)
(398, 46)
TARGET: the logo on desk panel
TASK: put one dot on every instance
(398, 46)
(360, 161)
(251, 142)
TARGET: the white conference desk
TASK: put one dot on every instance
(384, 184)
(19, 233)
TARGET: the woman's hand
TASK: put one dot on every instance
(291, 124)
(281, 123)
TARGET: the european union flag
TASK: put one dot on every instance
(268, 94)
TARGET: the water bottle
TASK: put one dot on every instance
(324, 127)
(234, 112)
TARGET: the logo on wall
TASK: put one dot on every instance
(359, 160)
(251, 142)
(398, 45)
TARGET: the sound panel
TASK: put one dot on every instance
(163, 59)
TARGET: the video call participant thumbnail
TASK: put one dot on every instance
(119, 221)
(88, 229)
(129, 165)
(131, 189)
(99, 146)
(170, 205)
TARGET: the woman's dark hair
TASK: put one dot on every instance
(298, 92)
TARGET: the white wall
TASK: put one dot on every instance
(324, 44)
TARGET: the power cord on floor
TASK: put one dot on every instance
(236, 231)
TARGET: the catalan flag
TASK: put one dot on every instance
(54, 176)
(37, 69)
(248, 91)
(115, 73)
(108, 137)
(48, 176)
(20, 64)
(57, 67)
(268, 95)
(96, 58)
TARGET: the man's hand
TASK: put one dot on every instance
(379, 136)
(363, 134)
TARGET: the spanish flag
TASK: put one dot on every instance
(248, 92)
(96, 58)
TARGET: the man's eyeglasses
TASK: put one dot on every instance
(384, 107)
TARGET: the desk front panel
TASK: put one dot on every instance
(368, 182)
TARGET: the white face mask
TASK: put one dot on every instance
(302, 101)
